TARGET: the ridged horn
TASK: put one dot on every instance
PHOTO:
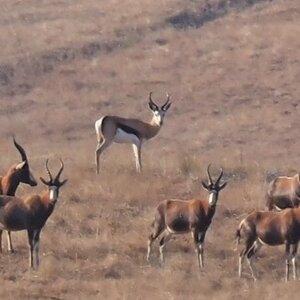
(60, 170)
(21, 150)
(48, 171)
(151, 101)
(208, 173)
(168, 100)
(220, 176)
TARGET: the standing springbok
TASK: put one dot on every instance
(111, 129)
(16, 174)
(32, 212)
(270, 228)
(283, 192)
(183, 216)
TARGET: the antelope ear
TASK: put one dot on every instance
(21, 165)
(152, 106)
(204, 185)
(222, 185)
(63, 182)
(44, 181)
(165, 108)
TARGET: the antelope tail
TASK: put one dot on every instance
(237, 238)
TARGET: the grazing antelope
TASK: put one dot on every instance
(270, 228)
(183, 216)
(283, 192)
(111, 129)
(18, 173)
(32, 212)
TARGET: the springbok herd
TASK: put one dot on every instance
(279, 224)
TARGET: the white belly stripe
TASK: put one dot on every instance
(170, 230)
(277, 208)
(260, 241)
(123, 137)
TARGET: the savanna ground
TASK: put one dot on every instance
(232, 68)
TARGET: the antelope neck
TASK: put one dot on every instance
(9, 185)
(53, 193)
(213, 198)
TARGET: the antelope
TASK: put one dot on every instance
(16, 174)
(31, 213)
(116, 129)
(183, 216)
(283, 192)
(270, 228)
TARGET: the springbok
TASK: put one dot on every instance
(270, 228)
(283, 192)
(183, 216)
(116, 129)
(16, 174)
(32, 212)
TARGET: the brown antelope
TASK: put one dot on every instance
(270, 228)
(283, 192)
(32, 212)
(183, 216)
(16, 174)
(111, 129)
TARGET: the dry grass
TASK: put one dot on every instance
(233, 72)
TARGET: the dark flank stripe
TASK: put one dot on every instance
(102, 123)
(180, 224)
(128, 129)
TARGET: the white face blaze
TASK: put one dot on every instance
(212, 198)
(158, 117)
(53, 193)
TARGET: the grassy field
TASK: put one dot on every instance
(232, 69)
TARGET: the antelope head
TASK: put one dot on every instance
(54, 183)
(213, 187)
(159, 112)
(22, 169)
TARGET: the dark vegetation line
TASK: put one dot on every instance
(209, 13)
(19, 78)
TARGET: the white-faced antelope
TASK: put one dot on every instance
(283, 192)
(31, 213)
(116, 129)
(183, 216)
(16, 174)
(270, 228)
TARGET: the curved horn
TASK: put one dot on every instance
(208, 173)
(220, 176)
(167, 103)
(150, 99)
(21, 150)
(152, 105)
(168, 100)
(48, 171)
(60, 170)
